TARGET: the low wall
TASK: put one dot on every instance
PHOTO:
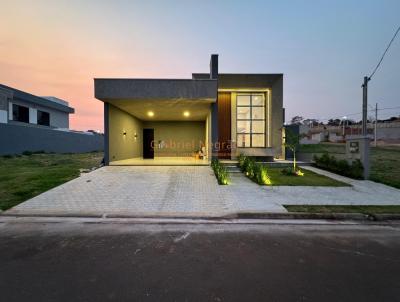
(15, 139)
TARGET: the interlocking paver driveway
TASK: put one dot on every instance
(147, 191)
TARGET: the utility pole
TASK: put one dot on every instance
(365, 140)
(365, 106)
(376, 123)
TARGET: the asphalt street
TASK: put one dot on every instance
(73, 260)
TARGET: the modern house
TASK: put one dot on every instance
(34, 123)
(18, 107)
(211, 115)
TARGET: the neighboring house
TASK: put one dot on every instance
(211, 115)
(18, 107)
(33, 123)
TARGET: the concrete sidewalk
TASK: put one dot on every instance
(361, 192)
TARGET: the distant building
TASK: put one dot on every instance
(18, 107)
(33, 123)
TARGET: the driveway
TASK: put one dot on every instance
(190, 191)
(147, 191)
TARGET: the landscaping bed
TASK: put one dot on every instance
(284, 176)
(308, 179)
(25, 176)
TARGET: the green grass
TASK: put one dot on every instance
(385, 161)
(331, 148)
(309, 179)
(344, 209)
(23, 177)
(385, 165)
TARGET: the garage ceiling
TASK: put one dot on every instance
(166, 110)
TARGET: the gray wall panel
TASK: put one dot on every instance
(15, 139)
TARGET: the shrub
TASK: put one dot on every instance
(290, 171)
(27, 153)
(342, 167)
(7, 156)
(241, 160)
(220, 172)
(255, 171)
(249, 165)
(261, 175)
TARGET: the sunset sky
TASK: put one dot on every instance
(324, 48)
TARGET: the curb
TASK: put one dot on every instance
(277, 216)
(384, 217)
(5, 214)
(303, 215)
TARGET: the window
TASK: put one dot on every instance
(250, 120)
(43, 118)
(20, 113)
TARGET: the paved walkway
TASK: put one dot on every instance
(147, 191)
(191, 191)
(361, 192)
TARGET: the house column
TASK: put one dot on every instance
(214, 107)
(106, 134)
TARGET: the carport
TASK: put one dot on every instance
(157, 121)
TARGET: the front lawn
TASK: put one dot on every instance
(23, 177)
(308, 179)
(385, 165)
(343, 209)
(331, 148)
(385, 160)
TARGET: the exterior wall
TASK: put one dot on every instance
(274, 112)
(208, 135)
(109, 89)
(179, 138)
(58, 119)
(16, 139)
(124, 146)
(277, 116)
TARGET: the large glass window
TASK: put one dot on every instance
(250, 117)
(20, 113)
(43, 118)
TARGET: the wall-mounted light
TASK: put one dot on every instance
(186, 113)
(150, 113)
(135, 136)
(124, 133)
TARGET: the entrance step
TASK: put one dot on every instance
(233, 169)
(231, 166)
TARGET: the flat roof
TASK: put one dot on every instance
(117, 88)
(27, 97)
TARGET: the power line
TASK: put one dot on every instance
(387, 48)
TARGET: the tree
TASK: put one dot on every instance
(296, 120)
(292, 141)
(311, 122)
(334, 122)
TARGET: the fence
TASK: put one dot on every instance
(15, 139)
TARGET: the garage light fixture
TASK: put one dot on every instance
(186, 113)
(150, 113)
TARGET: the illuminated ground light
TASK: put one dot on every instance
(300, 173)
(150, 113)
(186, 113)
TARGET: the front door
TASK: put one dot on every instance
(148, 143)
